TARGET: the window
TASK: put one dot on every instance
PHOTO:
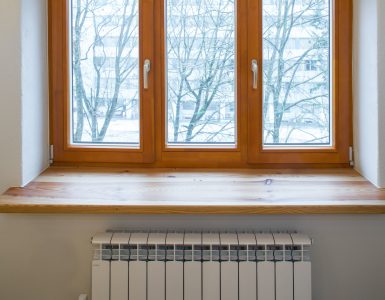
(201, 82)
(200, 50)
(285, 85)
(104, 46)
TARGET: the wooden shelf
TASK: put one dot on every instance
(173, 191)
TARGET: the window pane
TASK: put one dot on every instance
(296, 72)
(201, 103)
(105, 72)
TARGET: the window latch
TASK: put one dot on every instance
(146, 70)
(254, 69)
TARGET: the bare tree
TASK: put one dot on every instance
(201, 68)
(201, 50)
(101, 20)
(286, 88)
(80, 18)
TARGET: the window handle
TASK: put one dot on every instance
(146, 70)
(254, 69)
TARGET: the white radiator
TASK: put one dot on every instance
(201, 266)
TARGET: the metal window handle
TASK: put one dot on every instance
(254, 69)
(146, 70)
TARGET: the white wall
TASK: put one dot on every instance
(381, 84)
(24, 87)
(10, 87)
(49, 257)
(45, 257)
(365, 89)
(369, 89)
(34, 89)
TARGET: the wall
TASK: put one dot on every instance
(365, 89)
(24, 89)
(34, 66)
(48, 257)
(381, 84)
(369, 89)
(10, 87)
(44, 257)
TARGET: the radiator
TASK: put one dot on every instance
(201, 266)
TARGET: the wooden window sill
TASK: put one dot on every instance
(187, 191)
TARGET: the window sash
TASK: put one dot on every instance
(60, 86)
(338, 150)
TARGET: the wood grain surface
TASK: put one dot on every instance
(174, 191)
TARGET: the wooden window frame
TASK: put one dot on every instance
(213, 156)
(249, 150)
(60, 93)
(341, 97)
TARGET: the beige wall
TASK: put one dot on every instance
(48, 257)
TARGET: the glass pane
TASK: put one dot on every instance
(201, 102)
(105, 72)
(296, 72)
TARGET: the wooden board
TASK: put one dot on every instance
(165, 191)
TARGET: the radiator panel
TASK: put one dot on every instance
(192, 280)
(284, 280)
(211, 280)
(156, 283)
(119, 280)
(266, 281)
(100, 280)
(174, 280)
(247, 281)
(201, 266)
(229, 280)
(137, 288)
(302, 281)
